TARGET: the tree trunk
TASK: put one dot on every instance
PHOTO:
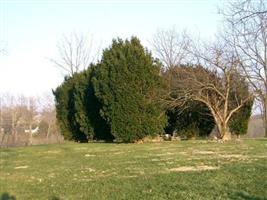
(225, 133)
(223, 129)
(226, 136)
(48, 130)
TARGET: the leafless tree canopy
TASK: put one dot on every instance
(75, 53)
(245, 10)
(246, 23)
(210, 79)
(213, 87)
(171, 47)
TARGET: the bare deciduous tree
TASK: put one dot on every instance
(74, 53)
(171, 47)
(49, 114)
(211, 85)
(30, 115)
(247, 33)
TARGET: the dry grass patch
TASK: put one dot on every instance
(118, 153)
(21, 167)
(239, 156)
(203, 152)
(80, 148)
(89, 155)
(193, 168)
(165, 154)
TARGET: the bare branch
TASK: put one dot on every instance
(74, 54)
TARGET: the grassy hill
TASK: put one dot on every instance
(168, 170)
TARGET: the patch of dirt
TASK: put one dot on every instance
(193, 168)
(22, 167)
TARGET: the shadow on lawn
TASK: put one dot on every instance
(245, 196)
(6, 196)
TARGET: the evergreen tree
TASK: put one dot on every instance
(65, 107)
(78, 109)
(126, 83)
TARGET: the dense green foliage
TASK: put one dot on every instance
(78, 109)
(115, 98)
(240, 89)
(191, 120)
(127, 83)
(64, 108)
(239, 121)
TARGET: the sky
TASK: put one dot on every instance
(31, 29)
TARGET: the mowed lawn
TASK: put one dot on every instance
(168, 170)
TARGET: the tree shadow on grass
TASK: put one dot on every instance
(6, 196)
(244, 196)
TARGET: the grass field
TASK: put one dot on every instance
(167, 170)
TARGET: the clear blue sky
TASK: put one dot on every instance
(30, 30)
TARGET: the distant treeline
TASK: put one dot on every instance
(27, 120)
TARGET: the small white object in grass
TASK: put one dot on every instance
(22, 167)
(91, 170)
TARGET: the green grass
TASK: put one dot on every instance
(167, 170)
